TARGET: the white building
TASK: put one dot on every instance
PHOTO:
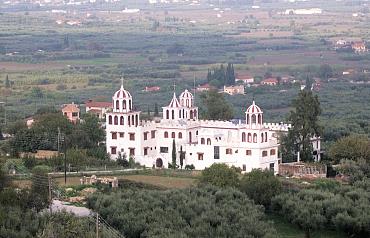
(245, 145)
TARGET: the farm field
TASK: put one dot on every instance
(159, 181)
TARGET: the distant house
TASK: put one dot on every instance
(72, 112)
(204, 87)
(359, 47)
(270, 82)
(233, 90)
(348, 72)
(245, 78)
(98, 108)
(29, 122)
(151, 89)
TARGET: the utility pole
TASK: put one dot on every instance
(65, 161)
(58, 140)
(97, 225)
(50, 194)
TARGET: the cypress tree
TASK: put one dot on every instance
(173, 154)
(182, 157)
(7, 81)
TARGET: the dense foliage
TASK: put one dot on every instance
(346, 209)
(305, 125)
(261, 186)
(215, 107)
(220, 175)
(195, 212)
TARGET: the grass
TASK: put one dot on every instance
(287, 230)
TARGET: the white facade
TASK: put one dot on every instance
(246, 145)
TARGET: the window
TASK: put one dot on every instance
(152, 134)
(165, 134)
(117, 105)
(265, 136)
(202, 141)
(248, 152)
(114, 135)
(110, 120)
(167, 114)
(146, 135)
(173, 135)
(180, 135)
(200, 156)
(216, 152)
(244, 167)
(122, 121)
(74, 114)
(124, 104)
(173, 114)
(146, 151)
(262, 139)
(243, 137)
(113, 150)
(264, 153)
(229, 151)
(272, 167)
(208, 141)
(249, 137)
(132, 136)
(132, 151)
(115, 120)
(121, 134)
(272, 152)
(163, 149)
(254, 138)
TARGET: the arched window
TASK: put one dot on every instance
(202, 141)
(190, 139)
(133, 120)
(195, 114)
(122, 121)
(243, 137)
(137, 120)
(247, 119)
(110, 120)
(183, 113)
(265, 136)
(115, 120)
(167, 114)
(272, 152)
(165, 134)
(259, 119)
(254, 138)
(117, 105)
(180, 114)
(249, 137)
(262, 139)
(208, 141)
(124, 104)
(173, 135)
(173, 114)
(196, 133)
(253, 119)
(128, 121)
(191, 114)
(130, 104)
(180, 135)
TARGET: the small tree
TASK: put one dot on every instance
(174, 155)
(215, 106)
(352, 147)
(182, 157)
(122, 161)
(220, 175)
(305, 209)
(261, 186)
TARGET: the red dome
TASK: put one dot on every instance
(254, 108)
(122, 94)
(186, 95)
